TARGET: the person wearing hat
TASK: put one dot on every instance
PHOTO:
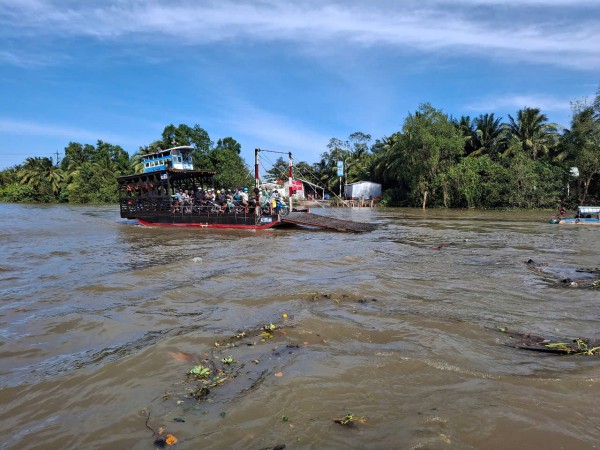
(263, 200)
(220, 199)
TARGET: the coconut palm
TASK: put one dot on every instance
(40, 172)
(532, 131)
(489, 134)
(469, 132)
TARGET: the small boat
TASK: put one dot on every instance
(586, 215)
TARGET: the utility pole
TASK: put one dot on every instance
(340, 173)
(57, 159)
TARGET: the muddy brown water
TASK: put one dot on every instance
(98, 316)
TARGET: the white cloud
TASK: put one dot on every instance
(29, 60)
(519, 101)
(424, 26)
(27, 128)
(275, 132)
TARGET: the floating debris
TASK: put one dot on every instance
(350, 420)
(577, 346)
(566, 276)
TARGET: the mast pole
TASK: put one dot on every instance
(290, 178)
(256, 183)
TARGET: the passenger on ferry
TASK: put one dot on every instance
(273, 202)
(263, 201)
(244, 199)
(198, 199)
(229, 205)
(236, 196)
(186, 201)
(178, 201)
(220, 199)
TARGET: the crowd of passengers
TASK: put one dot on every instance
(225, 201)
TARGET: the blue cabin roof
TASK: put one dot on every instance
(174, 158)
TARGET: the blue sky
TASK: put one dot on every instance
(280, 75)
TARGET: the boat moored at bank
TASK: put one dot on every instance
(586, 215)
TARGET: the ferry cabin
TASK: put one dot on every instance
(172, 158)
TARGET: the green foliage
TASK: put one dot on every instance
(43, 177)
(17, 193)
(582, 144)
(199, 371)
(533, 184)
(195, 136)
(230, 167)
(477, 183)
(393, 197)
(230, 144)
(92, 183)
(9, 176)
(531, 130)
(421, 156)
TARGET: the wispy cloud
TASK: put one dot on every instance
(15, 127)
(430, 26)
(275, 132)
(517, 101)
(30, 60)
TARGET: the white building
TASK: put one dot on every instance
(365, 189)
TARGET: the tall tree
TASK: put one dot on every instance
(43, 176)
(429, 146)
(583, 141)
(231, 170)
(183, 134)
(469, 132)
(532, 132)
(229, 143)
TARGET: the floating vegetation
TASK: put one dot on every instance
(567, 276)
(577, 346)
(200, 372)
(215, 371)
(350, 420)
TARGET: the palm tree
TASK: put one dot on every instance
(40, 172)
(469, 132)
(532, 132)
(489, 134)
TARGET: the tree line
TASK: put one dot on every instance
(434, 160)
(88, 173)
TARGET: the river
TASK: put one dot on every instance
(102, 319)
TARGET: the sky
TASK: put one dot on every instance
(280, 75)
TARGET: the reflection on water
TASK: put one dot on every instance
(398, 325)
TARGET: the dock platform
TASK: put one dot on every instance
(325, 222)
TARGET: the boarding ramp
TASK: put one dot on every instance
(328, 223)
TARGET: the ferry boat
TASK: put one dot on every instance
(586, 215)
(151, 197)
